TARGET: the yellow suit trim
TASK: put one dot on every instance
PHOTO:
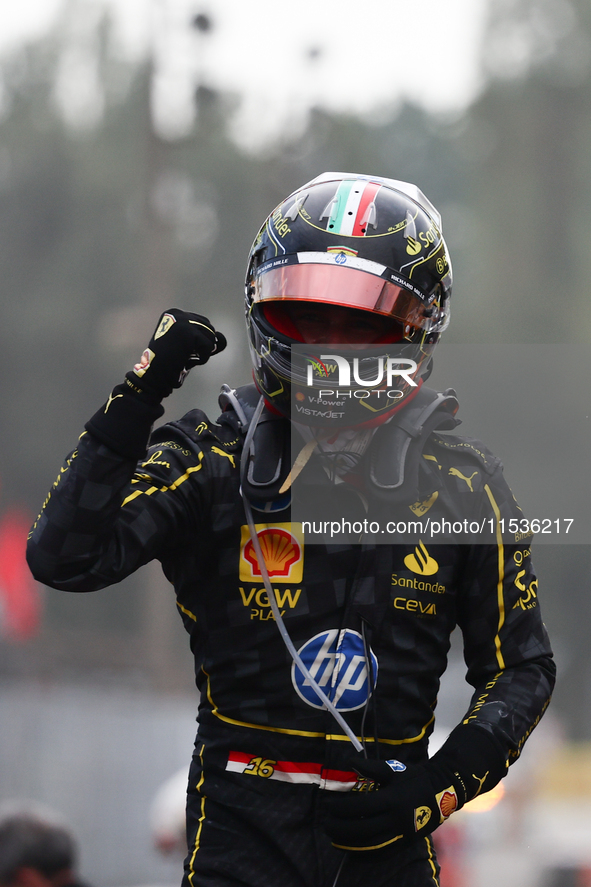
(501, 574)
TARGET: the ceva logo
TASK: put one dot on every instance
(336, 661)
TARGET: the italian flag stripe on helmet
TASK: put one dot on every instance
(352, 208)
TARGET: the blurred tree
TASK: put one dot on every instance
(523, 260)
(528, 184)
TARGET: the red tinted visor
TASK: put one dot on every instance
(347, 287)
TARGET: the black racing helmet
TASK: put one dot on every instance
(363, 243)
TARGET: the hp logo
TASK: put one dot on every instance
(336, 661)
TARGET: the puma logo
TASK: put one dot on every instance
(480, 782)
(455, 472)
(227, 455)
(111, 399)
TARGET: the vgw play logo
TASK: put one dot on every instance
(356, 372)
(336, 660)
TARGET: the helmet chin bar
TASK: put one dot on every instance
(371, 382)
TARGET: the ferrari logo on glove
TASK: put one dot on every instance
(422, 817)
(166, 321)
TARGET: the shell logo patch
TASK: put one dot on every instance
(144, 362)
(447, 801)
(282, 546)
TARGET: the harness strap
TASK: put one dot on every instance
(269, 460)
(392, 470)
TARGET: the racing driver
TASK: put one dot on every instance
(318, 659)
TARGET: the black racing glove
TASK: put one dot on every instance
(180, 341)
(395, 804)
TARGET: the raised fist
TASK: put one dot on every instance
(180, 341)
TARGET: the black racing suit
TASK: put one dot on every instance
(265, 745)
